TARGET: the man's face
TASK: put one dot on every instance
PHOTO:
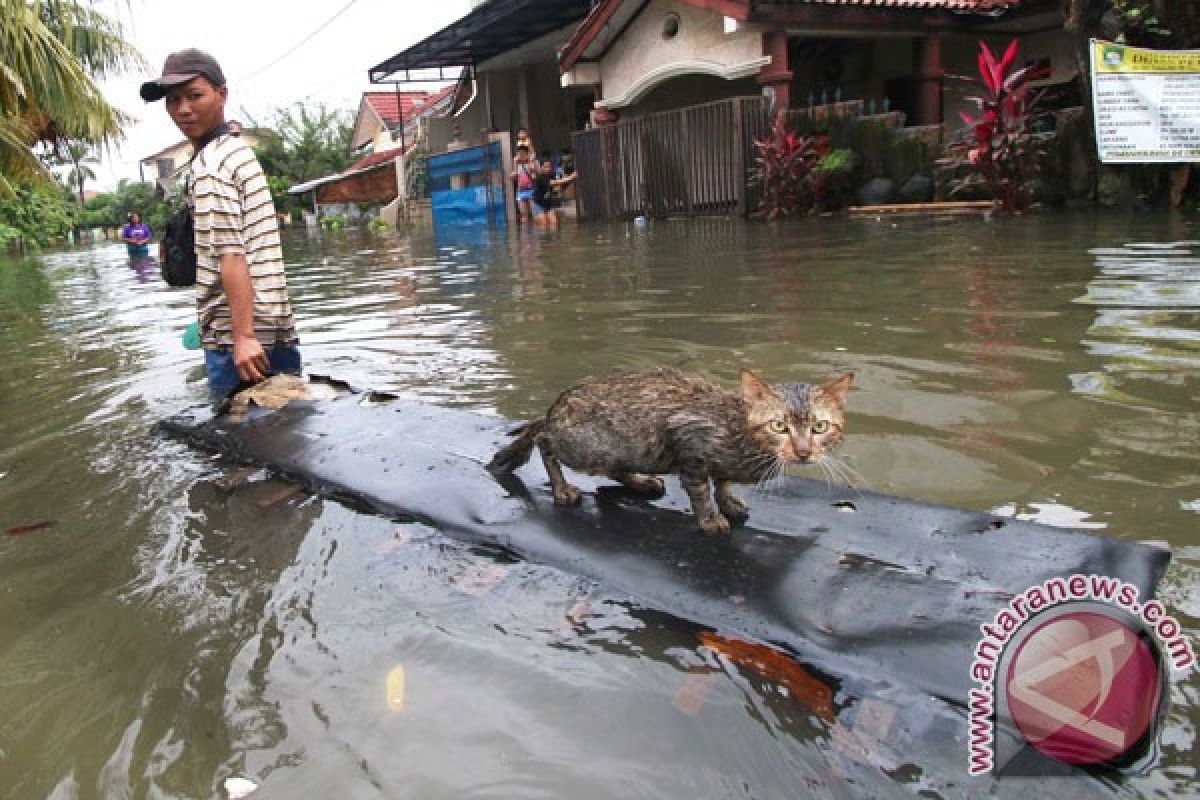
(196, 107)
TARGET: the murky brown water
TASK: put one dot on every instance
(167, 633)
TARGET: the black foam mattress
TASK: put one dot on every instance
(882, 595)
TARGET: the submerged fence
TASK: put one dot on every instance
(694, 160)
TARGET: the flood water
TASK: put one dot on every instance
(168, 632)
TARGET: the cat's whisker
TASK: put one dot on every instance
(829, 475)
(835, 473)
(847, 472)
(862, 480)
(771, 473)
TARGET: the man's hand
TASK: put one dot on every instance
(250, 359)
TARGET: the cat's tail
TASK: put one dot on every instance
(514, 455)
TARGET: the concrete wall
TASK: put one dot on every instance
(689, 90)
(642, 57)
(523, 96)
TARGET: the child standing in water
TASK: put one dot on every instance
(525, 172)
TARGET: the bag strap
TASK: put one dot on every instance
(205, 140)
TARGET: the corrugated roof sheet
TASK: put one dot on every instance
(489, 30)
(374, 159)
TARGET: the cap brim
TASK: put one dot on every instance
(157, 89)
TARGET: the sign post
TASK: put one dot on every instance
(1146, 103)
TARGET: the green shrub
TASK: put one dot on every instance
(333, 222)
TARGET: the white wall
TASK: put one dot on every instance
(641, 53)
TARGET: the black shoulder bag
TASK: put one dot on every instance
(177, 250)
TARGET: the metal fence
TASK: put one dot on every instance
(693, 160)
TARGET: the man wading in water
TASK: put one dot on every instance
(246, 324)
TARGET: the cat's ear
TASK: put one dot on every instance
(754, 389)
(836, 390)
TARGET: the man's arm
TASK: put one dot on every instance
(218, 226)
(248, 355)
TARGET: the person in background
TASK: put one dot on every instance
(523, 140)
(525, 172)
(545, 194)
(246, 324)
(136, 234)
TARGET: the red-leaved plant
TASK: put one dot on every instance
(783, 171)
(997, 149)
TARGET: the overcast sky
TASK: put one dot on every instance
(251, 40)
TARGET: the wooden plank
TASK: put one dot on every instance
(940, 207)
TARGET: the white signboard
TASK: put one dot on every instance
(1146, 103)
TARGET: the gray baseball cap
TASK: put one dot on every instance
(178, 69)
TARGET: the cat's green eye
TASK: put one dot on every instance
(778, 426)
(820, 426)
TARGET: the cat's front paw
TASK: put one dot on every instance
(733, 507)
(567, 496)
(714, 523)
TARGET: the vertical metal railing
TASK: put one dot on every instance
(694, 160)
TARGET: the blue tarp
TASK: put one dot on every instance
(469, 206)
(467, 186)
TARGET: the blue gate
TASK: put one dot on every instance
(467, 187)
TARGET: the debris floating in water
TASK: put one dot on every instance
(239, 787)
(395, 688)
(21, 530)
(809, 690)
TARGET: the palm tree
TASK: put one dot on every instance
(51, 53)
(79, 156)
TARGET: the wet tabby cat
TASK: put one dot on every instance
(633, 426)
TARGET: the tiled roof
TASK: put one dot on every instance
(386, 104)
(608, 18)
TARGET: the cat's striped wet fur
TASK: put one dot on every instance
(636, 426)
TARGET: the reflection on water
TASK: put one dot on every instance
(179, 624)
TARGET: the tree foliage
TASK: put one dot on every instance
(53, 53)
(39, 213)
(1152, 23)
(111, 209)
(301, 143)
(78, 156)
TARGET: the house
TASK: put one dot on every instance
(377, 125)
(643, 56)
(163, 167)
(683, 88)
(504, 54)
(387, 127)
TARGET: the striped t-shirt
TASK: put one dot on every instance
(234, 214)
